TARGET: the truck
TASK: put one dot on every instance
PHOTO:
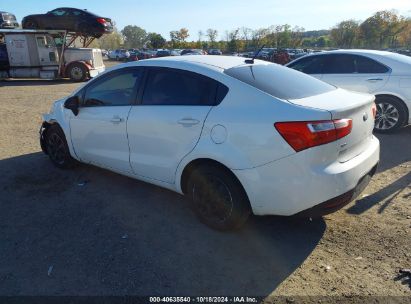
(35, 54)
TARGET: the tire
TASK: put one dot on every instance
(31, 25)
(218, 199)
(77, 72)
(57, 148)
(391, 114)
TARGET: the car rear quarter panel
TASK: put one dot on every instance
(247, 115)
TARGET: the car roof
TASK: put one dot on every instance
(222, 62)
(204, 61)
(354, 51)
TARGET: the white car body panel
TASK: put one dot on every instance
(99, 137)
(150, 144)
(160, 136)
(396, 82)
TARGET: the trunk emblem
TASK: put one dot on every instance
(365, 117)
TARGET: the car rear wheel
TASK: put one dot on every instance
(77, 72)
(218, 199)
(57, 148)
(391, 114)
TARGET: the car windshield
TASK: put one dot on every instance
(279, 81)
(9, 17)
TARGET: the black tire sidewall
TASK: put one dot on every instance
(83, 69)
(401, 111)
(241, 209)
(68, 160)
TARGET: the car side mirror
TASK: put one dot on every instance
(72, 103)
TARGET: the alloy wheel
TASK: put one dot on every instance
(387, 116)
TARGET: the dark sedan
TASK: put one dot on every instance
(70, 19)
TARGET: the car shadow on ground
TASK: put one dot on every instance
(87, 231)
(395, 151)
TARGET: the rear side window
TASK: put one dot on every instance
(366, 65)
(118, 89)
(167, 86)
(309, 65)
(279, 81)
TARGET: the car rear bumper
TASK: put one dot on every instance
(340, 201)
(300, 182)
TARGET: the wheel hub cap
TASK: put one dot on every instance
(387, 116)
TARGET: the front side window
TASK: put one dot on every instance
(309, 65)
(114, 90)
(177, 87)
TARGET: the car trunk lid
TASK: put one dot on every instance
(346, 105)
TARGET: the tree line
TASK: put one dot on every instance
(384, 29)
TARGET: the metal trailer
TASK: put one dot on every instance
(34, 54)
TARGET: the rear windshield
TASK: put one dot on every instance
(279, 81)
(8, 17)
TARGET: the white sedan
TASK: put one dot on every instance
(237, 136)
(384, 74)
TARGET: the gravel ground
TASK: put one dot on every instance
(92, 232)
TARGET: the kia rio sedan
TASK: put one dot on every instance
(384, 74)
(236, 137)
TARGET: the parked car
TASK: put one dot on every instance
(193, 52)
(236, 140)
(214, 52)
(163, 53)
(133, 56)
(71, 19)
(384, 74)
(119, 55)
(8, 21)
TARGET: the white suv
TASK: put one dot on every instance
(383, 74)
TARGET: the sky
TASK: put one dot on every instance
(164, 16)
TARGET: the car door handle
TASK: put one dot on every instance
(188, 122)
(374, 79)
(116, 120)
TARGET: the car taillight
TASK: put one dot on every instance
(301, 135)
(101, 20)
(374, 109)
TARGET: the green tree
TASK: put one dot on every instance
(345, 34)
(134, 36)
(155, 41)
(110, 41)
(212, 36)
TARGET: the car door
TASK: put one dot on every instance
(354, 72)
(168, 122)
(55, 19)
(312, 65)
(99, 131)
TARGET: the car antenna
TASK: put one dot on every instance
(251, 61)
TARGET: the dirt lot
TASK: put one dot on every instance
(91, 232)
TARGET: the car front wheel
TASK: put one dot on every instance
(391, 114)
(218, 199)
(57, 148)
